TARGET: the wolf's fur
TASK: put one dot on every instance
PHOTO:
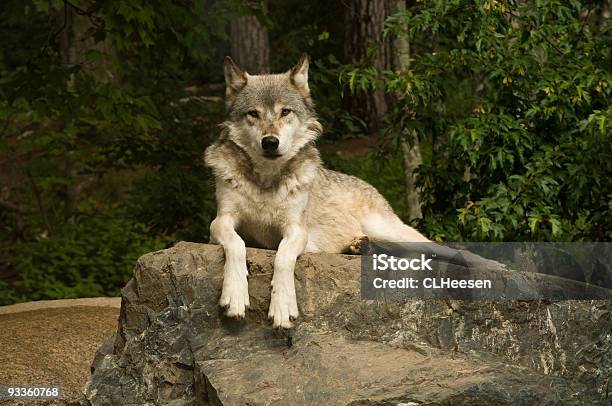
(288, 202)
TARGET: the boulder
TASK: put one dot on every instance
(174, 346)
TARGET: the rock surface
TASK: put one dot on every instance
(174, 347)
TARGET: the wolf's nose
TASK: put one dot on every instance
(269, 143)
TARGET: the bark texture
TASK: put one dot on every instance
(411, 156)
(411, 149)
(364, 42)
(250, 45)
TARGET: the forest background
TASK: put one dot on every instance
(479, 120)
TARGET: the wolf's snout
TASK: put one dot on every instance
(269, 143)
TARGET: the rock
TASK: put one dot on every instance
(174, 347)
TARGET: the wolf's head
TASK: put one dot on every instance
(271, 117)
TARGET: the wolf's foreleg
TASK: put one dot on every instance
(235, 292)
(283, 302)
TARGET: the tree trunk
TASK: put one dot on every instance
(102, 69)
(412, 159)
(250, 45)
(364, 43)
(68, 55)
(411, 150)
(74, 43)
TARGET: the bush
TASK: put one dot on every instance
(93, 257)
(514, 99)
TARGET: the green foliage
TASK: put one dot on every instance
(111, 130)
(514, 98)
(175, 201)
(7, 294)
(93, 257)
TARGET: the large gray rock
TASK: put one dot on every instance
(174, 347)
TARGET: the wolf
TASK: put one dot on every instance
(273, 192)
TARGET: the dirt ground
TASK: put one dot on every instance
(54, 342)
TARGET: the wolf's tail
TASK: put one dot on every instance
(389, 228)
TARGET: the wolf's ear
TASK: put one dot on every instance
(235, 78)
(299, 75)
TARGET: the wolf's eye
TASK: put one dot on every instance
(284, 112)
(253, 113)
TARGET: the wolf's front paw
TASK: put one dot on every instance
(235, 296)
(283, 305)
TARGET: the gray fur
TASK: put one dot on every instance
(289, 202)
